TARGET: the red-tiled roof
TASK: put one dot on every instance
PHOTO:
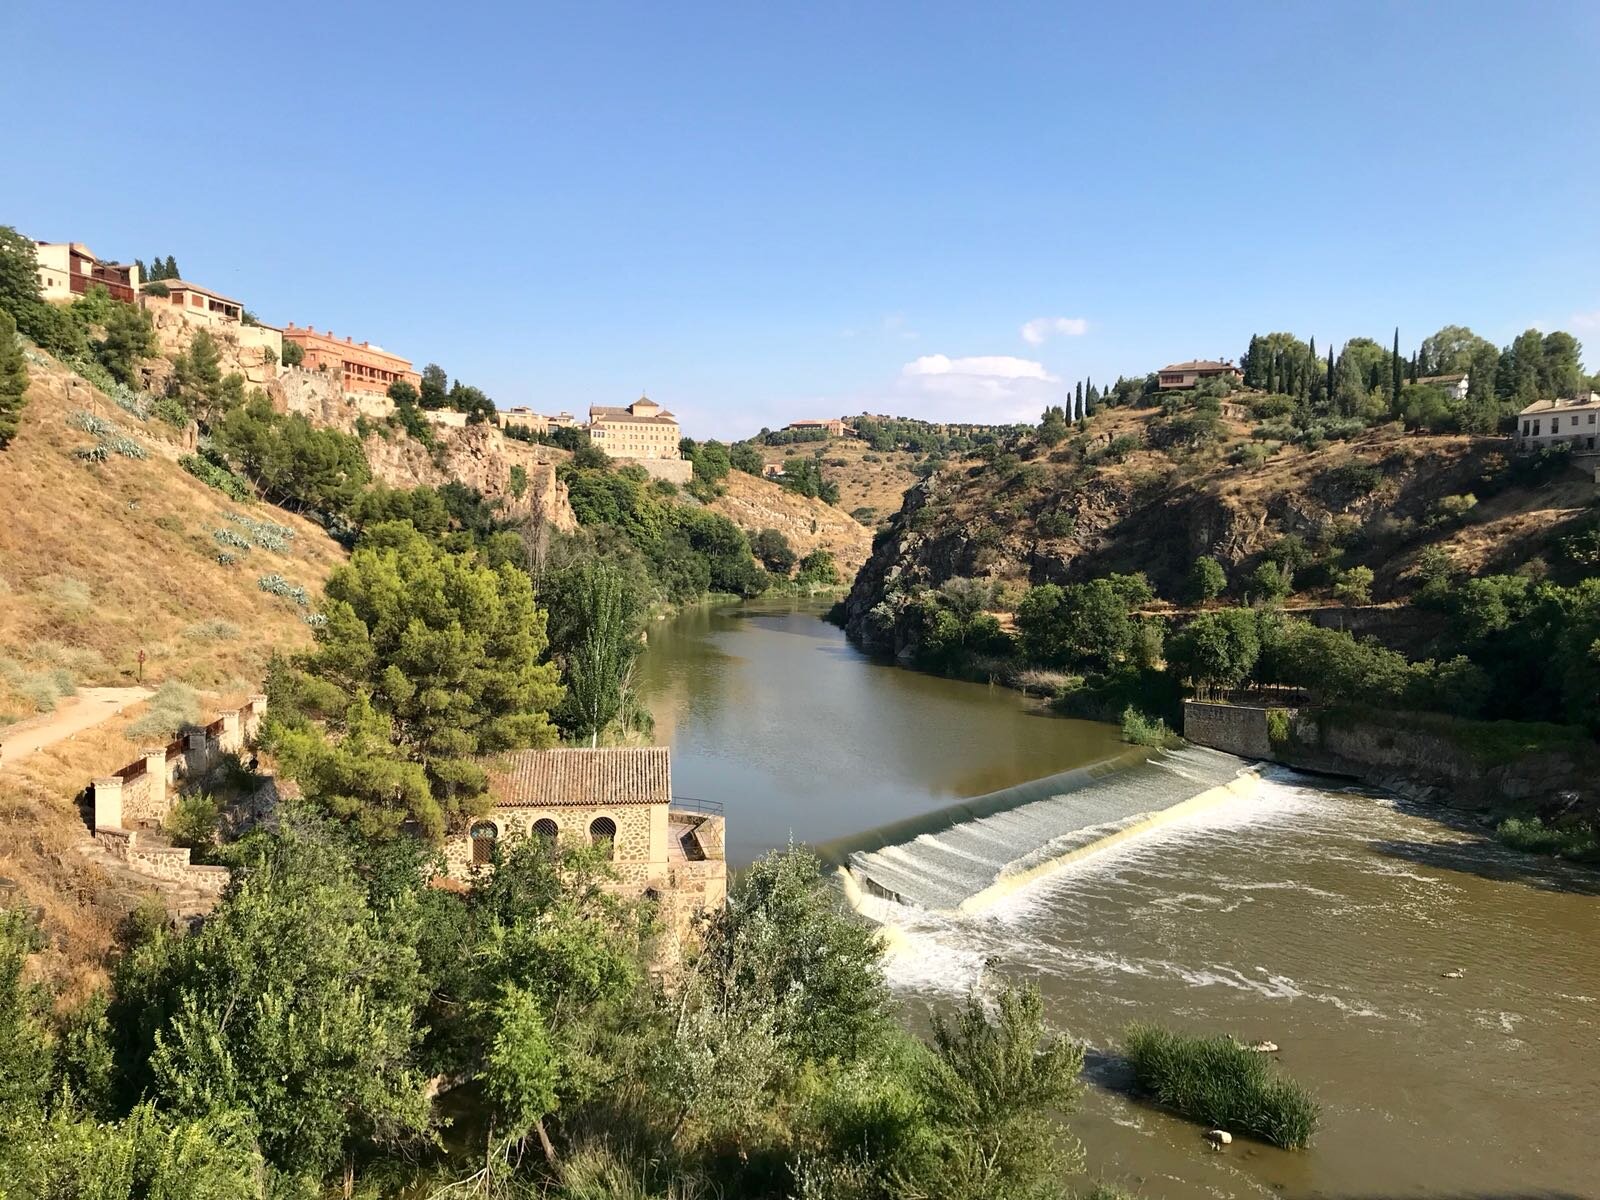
(179, 285)
(541, 778)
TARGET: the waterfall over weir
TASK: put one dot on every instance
(966, 856)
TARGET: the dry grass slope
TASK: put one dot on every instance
(99, 561)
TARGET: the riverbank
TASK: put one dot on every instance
(1504, 768)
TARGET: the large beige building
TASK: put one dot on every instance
(1174, 376)
(643, 430)
(620, 798)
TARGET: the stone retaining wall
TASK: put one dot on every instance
(160, 861)
(1235, 728)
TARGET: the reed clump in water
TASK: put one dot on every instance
(1141, 730)
(1217, 1081)
(1574, 839)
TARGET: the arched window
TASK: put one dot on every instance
(604, 829)
(545, 828)
(483, 836)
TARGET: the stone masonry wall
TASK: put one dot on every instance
(631, 857)
(168, 863)
(1235, 728)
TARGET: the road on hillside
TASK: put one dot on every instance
(87, 709)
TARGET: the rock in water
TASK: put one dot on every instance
(1458, 973)
(1265, 1047)
(1219, 1138)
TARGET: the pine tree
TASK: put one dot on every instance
(172, 269)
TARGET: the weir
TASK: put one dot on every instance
(969, 855)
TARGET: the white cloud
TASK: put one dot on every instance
(981, 366)
(984, 387)
(1589, 322)
(1038, 330)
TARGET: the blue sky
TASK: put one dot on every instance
(763, 211)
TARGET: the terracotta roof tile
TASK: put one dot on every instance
(540, 778)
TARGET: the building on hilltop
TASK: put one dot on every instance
(833, 426)
(644, 430)
(364, 369)
(1455, 383)
(199, 306)
(1574, 421)
(190, 304)
(1189, 374)
(616, 797)
(68, 270)
(523, 417)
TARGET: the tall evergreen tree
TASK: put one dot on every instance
(1078, 400)
(1091, 399)
(1330, 375)
(13, 379)
(1396, 374)
(172, 269)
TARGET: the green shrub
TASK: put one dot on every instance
(192, 821)
(1218, 1082)
(229, 538)
(1278, 726)
(279, 586)
(1576, 840)
(224, 480)
(174, 707)
(1141, 730)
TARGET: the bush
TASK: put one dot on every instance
(1141, 730)
(192, 821)
(213, 630)
(224, 480)
(174, 707)
(1218, 1082)
(1207, 580)
(1576, 840)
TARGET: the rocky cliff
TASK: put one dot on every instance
(755, 504)
(1037, 515)
(481, 457)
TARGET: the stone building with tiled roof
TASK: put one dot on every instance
(619, 798)
(643, 430)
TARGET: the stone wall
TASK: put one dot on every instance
(674, 470)
(141, 793)
(254, 351)
(159, 861)
(1236, 728)
(635, 858)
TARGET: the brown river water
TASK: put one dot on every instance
(1302, 911)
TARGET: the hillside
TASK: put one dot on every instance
(867, 479)
(98, 562)
(1109, 500)
(809, 524)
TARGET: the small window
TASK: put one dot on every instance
(483, 838)
(545, 828)
(604, 829)
(1555, 424)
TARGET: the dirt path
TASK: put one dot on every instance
(83, 711)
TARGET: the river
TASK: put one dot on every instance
(1438, 993)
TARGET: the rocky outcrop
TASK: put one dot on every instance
(810, 524)
(481, 457)
(245, 349)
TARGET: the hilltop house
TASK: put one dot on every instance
(364, 369)
(1455, 384)
(68, 270)
(643, 430)
(1188, 374)
(523, 417)
(1575, 421)
(832, 426)
(616, 797)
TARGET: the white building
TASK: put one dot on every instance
(1456, 384)
(1550, 422)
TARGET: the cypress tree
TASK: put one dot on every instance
(1413, 368)
(1396, 375)
(172, 268)
(1089, 399)
(1078, 402)
(1330, 374)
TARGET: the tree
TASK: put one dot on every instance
(743, 456)
(1270, 581)
(434, 393)
(1216, 649)
(295, 1003)
(293, 353)
(1354, 587)
(130, 336)
(199, 376)
(1206, 581)
(599, 661)
(445, 648)
(774, 551)
(13, 379)
(1396, 370)
(1561, 367)
(291, 460)
(818, 569)
(1053, 426)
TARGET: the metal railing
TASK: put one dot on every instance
(710, 808)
